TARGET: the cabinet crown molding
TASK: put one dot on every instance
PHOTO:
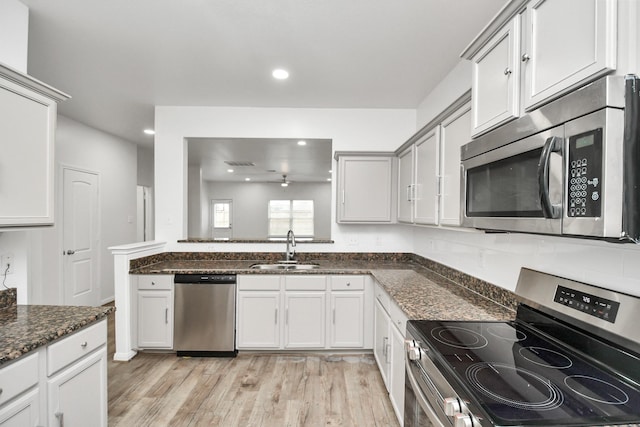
(29, 82)
(505, 14)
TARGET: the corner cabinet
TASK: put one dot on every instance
(28, 109)
(365, 188)
(537, 50)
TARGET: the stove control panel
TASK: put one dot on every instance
(592, 305)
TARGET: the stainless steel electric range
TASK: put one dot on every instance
(570, 358)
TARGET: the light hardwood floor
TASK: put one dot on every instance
(249, 390)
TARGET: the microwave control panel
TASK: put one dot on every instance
(584, 177)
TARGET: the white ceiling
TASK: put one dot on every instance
(119, 58)
(271, 158)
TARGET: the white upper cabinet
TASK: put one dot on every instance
(429, 168)
(535, 51)
(495, 79)
(405, 184)
(567, 42)
(28, 109)
(426, 172)
(364, 188)
(455, 131)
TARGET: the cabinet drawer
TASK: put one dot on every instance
(383, 297)
(398, 318)
(155, 281)
(259, 282)
(347, 283)
(75, 346)
(18, 377)
(305, 283)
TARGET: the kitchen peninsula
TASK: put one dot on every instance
(49, 355)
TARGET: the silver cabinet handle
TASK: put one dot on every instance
(334, 316)
(384, 346)
(408, 193)
(166, 315)
(507, 71)
(525, 57)
(60, 417)
(276, 316)
(83, 345)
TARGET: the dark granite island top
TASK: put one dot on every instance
(24, 328)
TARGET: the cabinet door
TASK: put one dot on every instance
(155, 319)
(454, 133)
(568, 43)
(26, 165)
(347, 320)
(364, 193)
(305, 320)
(258, 320)
(405, 185)
(426, 178)
(396, 389)
(381, 344)
(78, 395)
(495, 84)
(23, 412)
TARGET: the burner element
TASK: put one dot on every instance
(545, 357)
(507, 333)
(459, 337)
(515, 387)
(596, 389)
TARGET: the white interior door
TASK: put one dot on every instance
(80, 238)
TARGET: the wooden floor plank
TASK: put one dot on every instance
(262, 390)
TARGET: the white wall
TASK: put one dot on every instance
(14, 34)
(114, 160)
(145, 166)
(350, 129)
(15, 243)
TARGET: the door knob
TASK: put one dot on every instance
(70, 252)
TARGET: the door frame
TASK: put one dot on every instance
(60, 226)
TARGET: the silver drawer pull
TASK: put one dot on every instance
(60, 417)
(83, 345)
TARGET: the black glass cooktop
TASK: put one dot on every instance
(517, 376)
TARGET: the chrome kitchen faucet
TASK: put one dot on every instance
(291, 244)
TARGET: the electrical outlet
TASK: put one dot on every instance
(6, 261)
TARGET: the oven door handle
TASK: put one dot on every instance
(419, 394)
(551, 145)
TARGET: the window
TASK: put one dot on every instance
(221, 219)
(296, 215)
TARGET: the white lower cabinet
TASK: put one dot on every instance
(62, 384)
(390, 323)
(308, 311)
(305, 319)
(155, 311)
(78, 394)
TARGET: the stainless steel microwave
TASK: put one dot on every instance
(571, 167)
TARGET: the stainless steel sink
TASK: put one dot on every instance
(284, 266)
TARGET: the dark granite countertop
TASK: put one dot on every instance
(24, 328)
(421, 288)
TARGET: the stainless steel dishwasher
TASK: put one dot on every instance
(205, 315)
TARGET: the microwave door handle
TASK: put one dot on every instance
(552, 144)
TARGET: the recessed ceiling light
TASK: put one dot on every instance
(330, 171)
(328, 179)
(302, 142)
(280, 74)
(149, 131)
(247, 179)
(230, 170)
